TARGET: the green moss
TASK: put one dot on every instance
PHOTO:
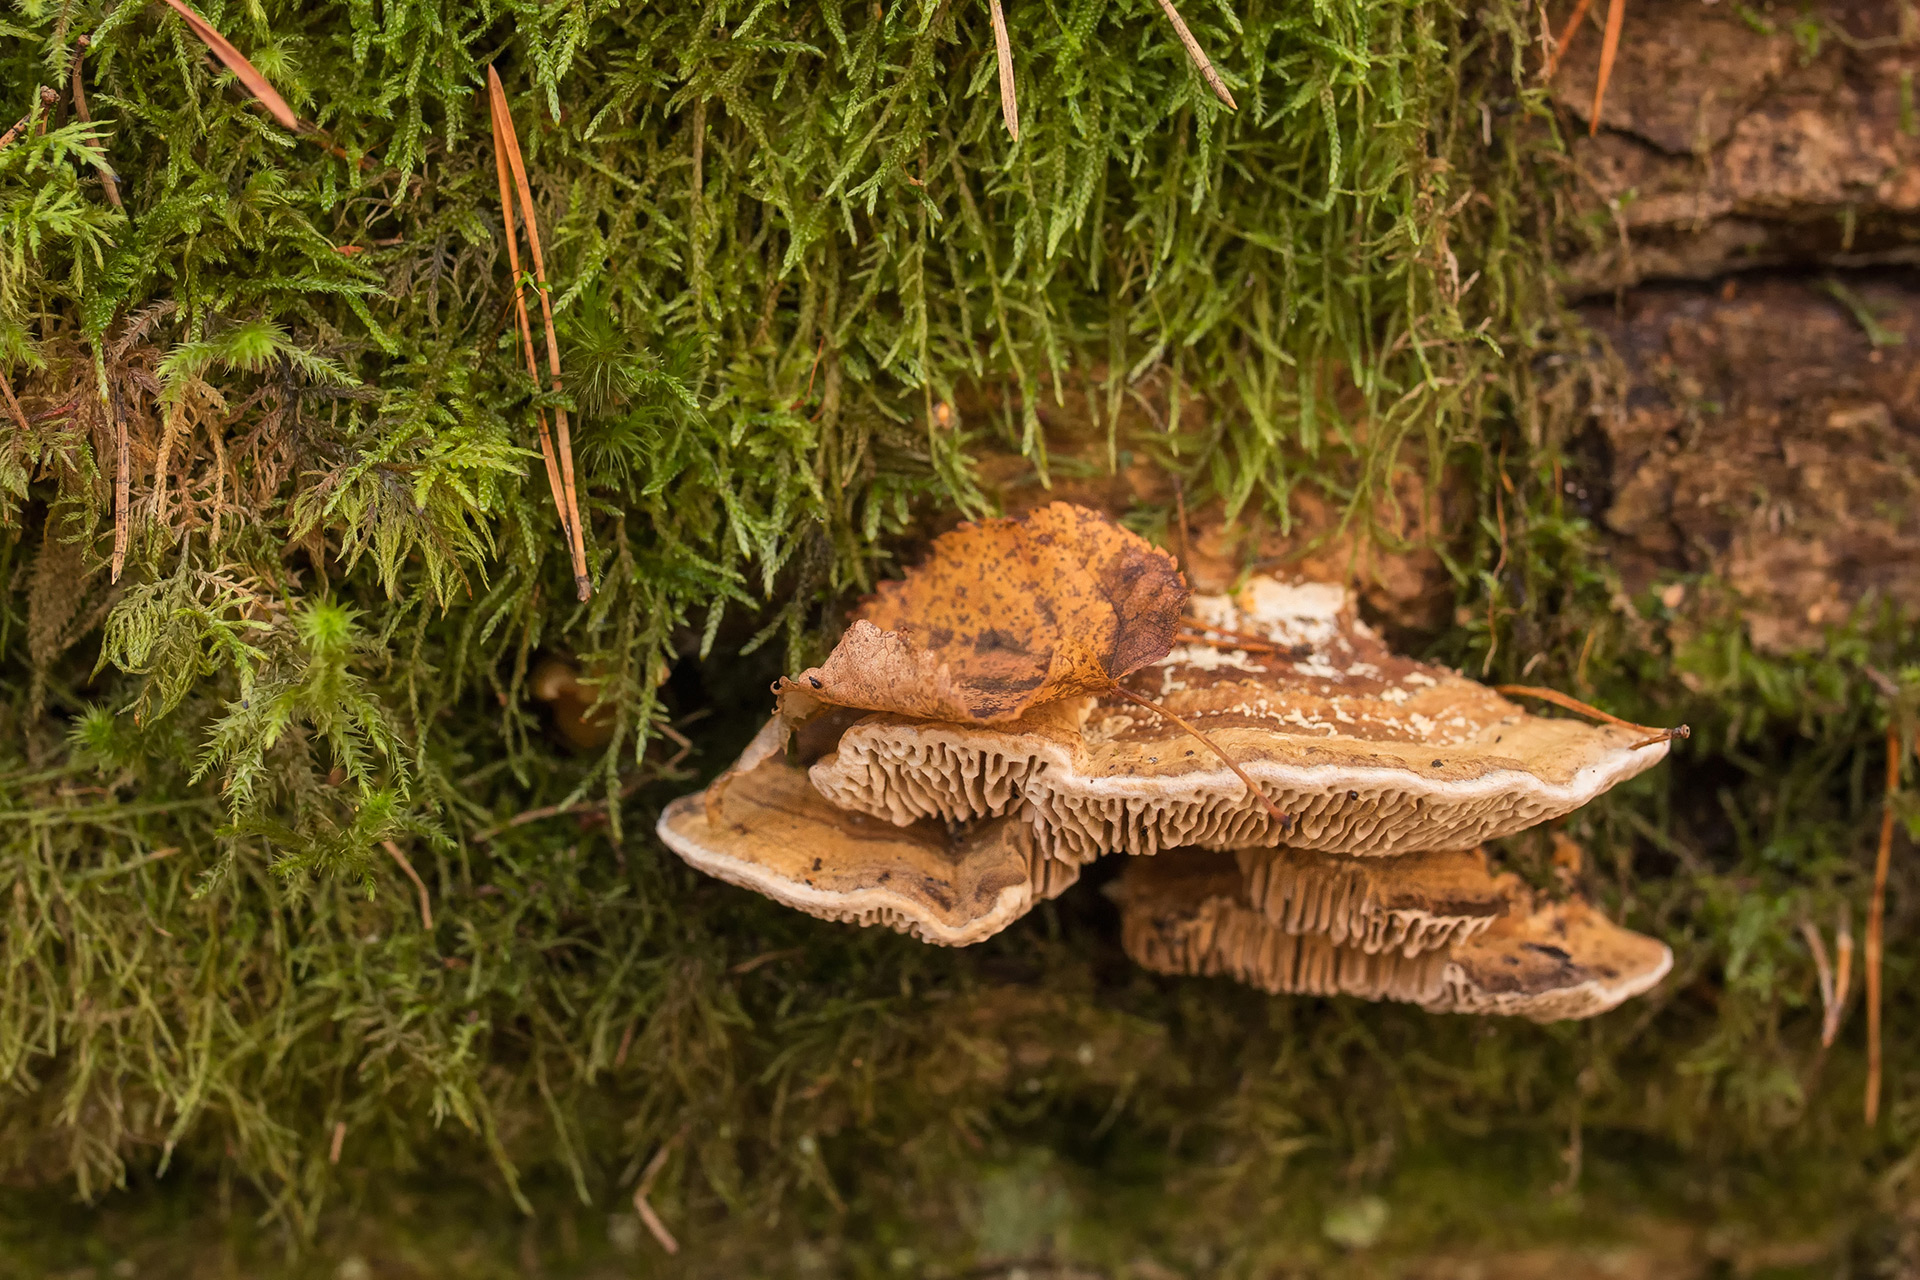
(779, 236)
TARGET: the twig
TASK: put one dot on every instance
(506, 140)
(1003, 54)
(426, 905)
(1573, 29)
(1198, 55)
(1272, 808)
(1571, 703)
(339, 1137)
(1877, 919)
(47, 98)
(642, 1206)
(1609, 48)
(107, 178)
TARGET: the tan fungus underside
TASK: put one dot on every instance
(1193, 913)
(1411, 904)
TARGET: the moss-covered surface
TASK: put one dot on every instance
(786, 242)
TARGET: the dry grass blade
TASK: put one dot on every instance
(1572, 29)
(1877, 922)
(1198, 55)
(1003, 54)
(1212, 746)
(426, 904)
(1571, 703)
(507, 142)
(107, 179)
(1609, 49)
(234, 61)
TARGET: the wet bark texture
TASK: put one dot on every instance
(1752, 210)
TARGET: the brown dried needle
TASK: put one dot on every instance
(507, 150)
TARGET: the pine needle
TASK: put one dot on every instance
(1572, 29)
(1877, 922)
(1609, 47)
(507, 145)
(1195, 52)
(1240, 639)
(244, 71)
(1574, 704)
(1003, 53)
(1272, 808)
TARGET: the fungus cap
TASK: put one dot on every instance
(1414, 903)
(1549, 961)
(762, 826)
(1365, 751)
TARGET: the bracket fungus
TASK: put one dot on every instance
(1197, 913)
(1363, 751)
(762, 826)
(1549, 960)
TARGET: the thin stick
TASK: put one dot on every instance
(1877, 920)
(564, 439)
(1609, 48)
(426, 905)
(496, 102)
(1198, 55)
(1560, 699)
(244, 71)
(1003, 53)
(1272, 808)
(1572, 29)
(107, 178)
(339, 1138)
(47, 98)
(643, 1207)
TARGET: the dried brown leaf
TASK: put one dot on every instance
(1005, 615)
